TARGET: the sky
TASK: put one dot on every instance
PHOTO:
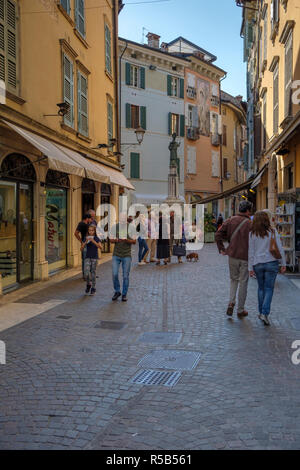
(214, 25)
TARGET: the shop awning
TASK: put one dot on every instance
(92, 170)
(57, 159)
(259, 176)
(115, 176)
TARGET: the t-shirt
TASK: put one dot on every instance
(82, 227)
(122, 249)
(91, 249)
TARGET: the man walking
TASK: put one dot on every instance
(80, 233)
(236, 231)
(121, 256)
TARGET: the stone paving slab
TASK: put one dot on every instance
(67, 384)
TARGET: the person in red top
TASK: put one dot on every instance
(236, 231)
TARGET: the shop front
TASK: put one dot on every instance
(88, 190)
(16, 213)
(57, 187)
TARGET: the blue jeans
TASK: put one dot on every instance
(143, 248)
(126, 265)
(266, 275)
(83, 255)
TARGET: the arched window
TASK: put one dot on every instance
(57, 178)
(18, 167)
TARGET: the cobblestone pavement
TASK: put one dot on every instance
(67, 384)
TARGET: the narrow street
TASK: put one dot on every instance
(67, 380)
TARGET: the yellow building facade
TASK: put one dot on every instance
(58, 114)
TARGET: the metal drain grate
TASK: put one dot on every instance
(160, 337)
(110, 325)
(164, 359)
(295, 323)
(154, 377)
(64, 317)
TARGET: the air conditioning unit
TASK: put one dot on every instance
(193, 133)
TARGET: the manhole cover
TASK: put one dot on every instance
(296, 323)
(178, 360)
(64, 317)
(161, 337)
(155, 377)
(110, 325)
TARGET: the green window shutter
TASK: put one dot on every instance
(8, 44)
(143, 77)
(182, 125)
(68, 90)
(135, 165)
(110, 123)
(82, 104)
(181, 88)
(80, 16)
(143, 120)
(107, 49)
(128, 115)
(170, 123)
(127, 67)
(66, 5)
(178, 167)
(169, 85)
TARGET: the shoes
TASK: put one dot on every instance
(242, 314)
(88, 287)
(141, 263)
(93, 291)
(230, 310)
(165, 263)
(265, 319)
(157, 263)
(116, 295)
(152, 260)
(180, 261)
(260, 316)
(124, 298)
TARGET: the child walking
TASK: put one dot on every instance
(92, 243)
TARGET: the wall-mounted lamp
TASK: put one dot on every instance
(139, 133)
(62, 111)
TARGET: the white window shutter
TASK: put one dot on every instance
(191, 160)
(195, 117)
(215, 156)
(220, 127)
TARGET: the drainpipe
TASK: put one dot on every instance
(117, 110)
(221, 143)
(120, 94)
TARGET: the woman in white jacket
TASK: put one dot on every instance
(263, 263)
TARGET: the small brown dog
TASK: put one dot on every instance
(192, 256)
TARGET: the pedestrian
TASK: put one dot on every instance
(152, 236)
(121, 256)
(263, 262)
(92, 214)
(92, 243)
(236, 231)
(143, 247)
(220, 221)
(163, 244)
(180, 246)
(80, 234)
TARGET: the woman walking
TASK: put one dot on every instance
(143, 247)
(163, 244)
(263, 263)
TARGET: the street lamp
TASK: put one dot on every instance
(139, 132)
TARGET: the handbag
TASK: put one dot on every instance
(179, 250)
(273, 247)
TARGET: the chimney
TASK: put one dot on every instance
(164, 46)
(239, 98)
(153, 40)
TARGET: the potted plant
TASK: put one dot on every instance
(209, 228)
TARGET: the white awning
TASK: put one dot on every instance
(57, 159)
(116, 177)
(92, 170)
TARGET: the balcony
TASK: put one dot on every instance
(193, 133)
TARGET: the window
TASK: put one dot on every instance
(80, 16)
(289, 177)
(274, 16)
(66, 5)
(135, 165)
(175, 86)
(225, 167)
(108, 50)
(110, 122)
(224, 111)
(68, 89)
(224, 135)
(177, 124)
(135, 116)
(135, 76)
(8, 45)
(264, 123)
(266, 35)
(82, 104)
(193, 119)
(288, 74)
(275, 99)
